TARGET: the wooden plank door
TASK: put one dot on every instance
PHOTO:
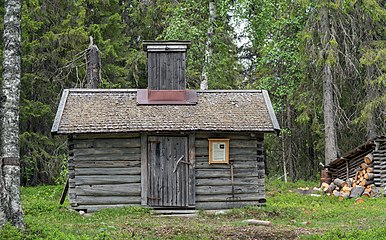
(168, 171)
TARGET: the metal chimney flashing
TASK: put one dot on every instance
(166, 97)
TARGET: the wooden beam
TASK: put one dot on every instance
(144, 169)
(192, 171)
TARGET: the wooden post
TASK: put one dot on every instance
(93, 65)
(192, 161)
(144, 169)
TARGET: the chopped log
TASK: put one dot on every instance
(349, 182)
(364, 166)
(366, 182)
(346, 189)
(331, 188)
(324, 186)
(359, 200)
(343, 196)
(369, 176)
(360, 180)
(339, 182)
(336, 193)
(366, 194)
(353, 184)
(369, 158)
(370, 170)
(357, 191)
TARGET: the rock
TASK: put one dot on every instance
(220, 212)
(81, 212)
(315, 195)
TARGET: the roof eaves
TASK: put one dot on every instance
(271, 112)
(58, 116)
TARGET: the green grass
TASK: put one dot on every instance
(293, 215)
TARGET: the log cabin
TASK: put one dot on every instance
(165, 147)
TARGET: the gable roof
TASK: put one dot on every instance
(116, 110)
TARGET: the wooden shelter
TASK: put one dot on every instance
(369, 158)
(165, 146)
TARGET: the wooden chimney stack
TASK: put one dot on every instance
(166, 64)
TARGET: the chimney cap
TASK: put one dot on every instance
(154, 44)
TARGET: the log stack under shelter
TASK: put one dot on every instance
(362, 171)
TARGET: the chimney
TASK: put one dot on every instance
(166, 74)
(166, 64)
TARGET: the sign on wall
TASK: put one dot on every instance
(218, 151)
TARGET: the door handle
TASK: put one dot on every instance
(178, 162)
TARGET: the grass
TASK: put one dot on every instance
(293, 216)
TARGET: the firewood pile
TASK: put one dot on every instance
(362, 184)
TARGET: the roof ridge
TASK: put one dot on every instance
(232, 91)
(101, 90)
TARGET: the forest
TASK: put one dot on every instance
(323, 63)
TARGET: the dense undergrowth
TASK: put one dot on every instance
(293, 215)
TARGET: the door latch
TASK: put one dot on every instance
(178, 162)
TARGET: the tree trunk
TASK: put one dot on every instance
(93, 65)
(330, 150)
(290, 158)
(208, 47)
(10, 149)
(284, 160)
(371, 95)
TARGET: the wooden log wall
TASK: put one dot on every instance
(347, 168)
(379, 160)
(213, 181)
(104, 172)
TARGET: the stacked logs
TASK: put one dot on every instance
(361, 185)
(364, 175)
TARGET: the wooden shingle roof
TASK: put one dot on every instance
(116, 111)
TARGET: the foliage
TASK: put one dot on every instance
(282, 54)
(54, 37)
(225, 70)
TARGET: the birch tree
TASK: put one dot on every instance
(10, 149)
(208, 47)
